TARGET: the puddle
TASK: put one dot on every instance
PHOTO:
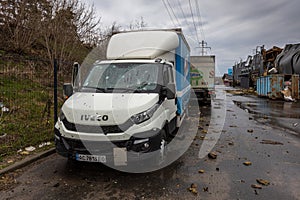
(271, 108)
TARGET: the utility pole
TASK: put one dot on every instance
(203, 46)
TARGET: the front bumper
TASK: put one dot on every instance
(139, 147)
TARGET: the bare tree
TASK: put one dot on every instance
(20, 21)
(70, 31)
(138, 24)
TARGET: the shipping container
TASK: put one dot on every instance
(270, 86)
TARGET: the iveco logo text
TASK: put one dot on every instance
(94, 117)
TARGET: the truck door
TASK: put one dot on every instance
(169, 104)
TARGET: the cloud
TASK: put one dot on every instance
(233, 28)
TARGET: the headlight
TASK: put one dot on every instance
(144, 116)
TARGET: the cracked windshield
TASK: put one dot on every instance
(123, 76)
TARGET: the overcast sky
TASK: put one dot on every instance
(232, 28)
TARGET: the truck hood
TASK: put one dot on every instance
(106, 108)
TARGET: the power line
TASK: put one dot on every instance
(200, 19)
(173, 12)
(168, 12)
(184, 16)
(194, 22)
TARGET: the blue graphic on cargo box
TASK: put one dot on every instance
(183, 87)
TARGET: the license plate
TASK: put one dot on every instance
(91, 158)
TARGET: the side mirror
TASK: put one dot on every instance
(75, 73)
(169, 91)
(68, 90)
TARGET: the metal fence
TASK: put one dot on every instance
(27, 91)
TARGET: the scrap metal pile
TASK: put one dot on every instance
(273, 73)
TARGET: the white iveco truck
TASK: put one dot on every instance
(127, 107)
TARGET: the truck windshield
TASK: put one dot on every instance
(123, 77)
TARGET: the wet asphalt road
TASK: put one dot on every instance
(236, 128)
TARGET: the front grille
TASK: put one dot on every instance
(97, 129)
(95, 145)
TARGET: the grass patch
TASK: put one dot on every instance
(29, 120)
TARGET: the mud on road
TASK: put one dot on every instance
(249, 146)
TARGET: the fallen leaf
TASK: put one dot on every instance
(204, 131)
(24, 153)
(212, 155)
(256, 186)
(193, 189)
(10, 161)
(263, 182)
(247, 163)
(205, 189)
(201, 171)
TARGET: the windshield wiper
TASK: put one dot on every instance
(96, 88)
(134, 90)
(142, 85)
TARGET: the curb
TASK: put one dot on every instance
(28, 160)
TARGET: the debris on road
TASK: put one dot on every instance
(30, 149)
(263, 182)
(287, 94)
(271, 142)
(201, 171)
(230, 143)
(193, 189)
(205, 189)
(56, 185)
(24, 153)
(3, 135)
(266, 117)
(256, 186)
(7, 180)
(10, 161)
(247, 163)
(250, 130)
(44, 144)
(212, 155)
